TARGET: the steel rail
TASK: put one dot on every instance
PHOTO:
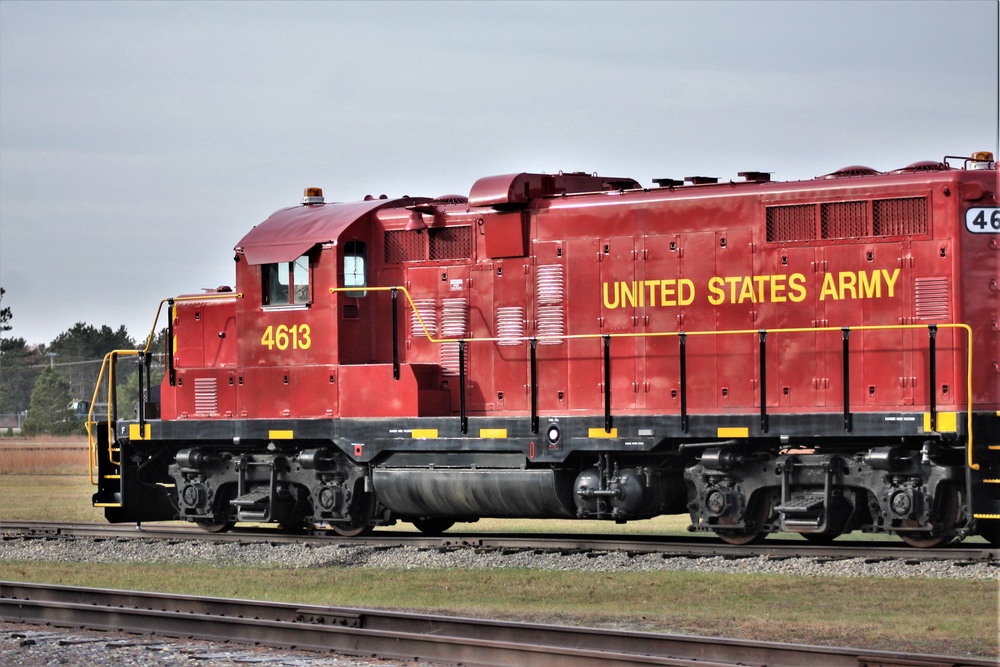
(687, 546)
(398, 635)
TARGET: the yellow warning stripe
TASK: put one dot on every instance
(601, 433)
(281, 435)
(734, 432)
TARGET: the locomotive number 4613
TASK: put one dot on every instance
(282, 337)
(983, 220)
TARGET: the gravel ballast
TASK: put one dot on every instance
(293, 556)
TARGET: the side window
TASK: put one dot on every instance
(287, 283)
(355, 267)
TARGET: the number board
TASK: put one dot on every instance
(983, 220)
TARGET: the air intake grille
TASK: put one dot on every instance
(450, 243)
(844, 220)
(454, 324)
(510, 325)
(932, 299)
(206, 396)
(791, 223)
(403, 245)
(550, 288)
(900, 217)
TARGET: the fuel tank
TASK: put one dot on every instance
(499, 493)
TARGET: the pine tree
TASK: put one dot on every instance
(50, 413)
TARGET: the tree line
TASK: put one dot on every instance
(42, 385)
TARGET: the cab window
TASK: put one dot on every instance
(355, 267)
(286, 283)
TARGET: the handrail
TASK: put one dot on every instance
(109, 363)
(682, 335)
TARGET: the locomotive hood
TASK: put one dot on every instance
(290, 232)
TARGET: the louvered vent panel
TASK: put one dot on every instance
(206, 396)
(510, 325)
(550, 290)
(450, 243)
(425, 311)
(402, 245)
(900, 217)
(791, 223)
(931, 299)
(454, 324)
(844, 220)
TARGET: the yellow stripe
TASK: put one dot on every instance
(734, 432)
(947, 422)
(601, 433)
(281, 435)
(107, 504)
(492, 433)
(111, 477)
(991, 481)
(135, 434)
(986, 516)
(424, 433)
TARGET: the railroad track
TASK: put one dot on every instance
(693, 547)
(396, 635)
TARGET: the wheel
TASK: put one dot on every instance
(947, 510)
(362, 512)
(434, 526)
(212, 527)
(820, 538)
(757, 514)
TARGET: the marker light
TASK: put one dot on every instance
(312, 196)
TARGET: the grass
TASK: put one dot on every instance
(920, 615)
(959, 618)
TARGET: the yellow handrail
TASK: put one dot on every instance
(727, 332)
(106, 363)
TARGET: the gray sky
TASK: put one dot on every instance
(139, 141)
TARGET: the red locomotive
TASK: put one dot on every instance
(815, 357)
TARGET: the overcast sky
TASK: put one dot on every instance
(139, 141)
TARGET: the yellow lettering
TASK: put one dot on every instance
(628, 294)
(869, 288)
(681, 299)
(607, 302)
(761, 281)
(797, 284)
(746, 290)
(732, 288)
(717, 296)
(667, 293)
(651, 284)
(778, 289)
(890, 281)
(829, 288)
(848, 282)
